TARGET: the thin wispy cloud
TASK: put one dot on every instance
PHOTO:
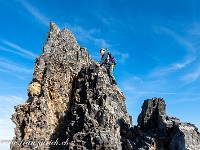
(18, 50)
(185, 63)
(166, 93)
(7, 104)
(4, 70)
(107, 19)
(6, 123)
(12, 67)
(176, 66)
(35, 12)
(192, 76)
(88, 35)
(17, 53)
(99, 41)
(13, 87)
(83, 35)
(137, 89)
(122, 56)
(11, 100)
(184, 42)
(183, 100)
(129, 83)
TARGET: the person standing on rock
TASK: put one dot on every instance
(109, 62)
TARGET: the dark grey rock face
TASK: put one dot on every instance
(157, 131)
(70, 100)
(72, 106)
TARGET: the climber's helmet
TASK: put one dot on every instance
(102, 51)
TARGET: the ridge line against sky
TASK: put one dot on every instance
(156, 46)
(174, 66)
(81, 33)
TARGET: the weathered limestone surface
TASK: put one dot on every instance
(157, 131)
(71, 105)
(70, 100)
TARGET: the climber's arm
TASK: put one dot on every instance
(103, 59)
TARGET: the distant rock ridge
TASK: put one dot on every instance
(72, 106)
(157, 131)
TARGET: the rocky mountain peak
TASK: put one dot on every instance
(70, 99)
(71, 105)
(156, 130)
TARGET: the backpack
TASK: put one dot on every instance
(112, 59)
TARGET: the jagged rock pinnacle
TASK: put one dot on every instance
(72, 106)
(156, 130)
(70, 99)
(53, 27)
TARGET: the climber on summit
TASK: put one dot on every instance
(109, 62)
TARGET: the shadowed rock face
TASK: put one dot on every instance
(71, 105)
(70, 100)
(157, 131)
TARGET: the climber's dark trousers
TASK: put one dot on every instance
(110, 74)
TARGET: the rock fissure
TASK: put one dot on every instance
(72, 104)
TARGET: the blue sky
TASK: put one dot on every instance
(156, 44)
